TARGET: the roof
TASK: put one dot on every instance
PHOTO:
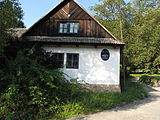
(75, 40)
(20, 32)
(17, 32)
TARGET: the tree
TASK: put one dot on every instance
(110, 13)
(143, 36)
(140, 26)
(11, 16)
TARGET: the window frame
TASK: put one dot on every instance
(72, 66)
(68, 29)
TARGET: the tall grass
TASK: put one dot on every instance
(91, 102)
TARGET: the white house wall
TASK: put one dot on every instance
(92, 69)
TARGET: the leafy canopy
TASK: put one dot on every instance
(11, 16)
(140, 30)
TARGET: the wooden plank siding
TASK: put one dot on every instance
(68, 11)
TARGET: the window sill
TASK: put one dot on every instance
(68, 33)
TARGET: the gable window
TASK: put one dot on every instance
(72, 60)
(58, 60)
(68, 27)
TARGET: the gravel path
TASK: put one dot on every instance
(147, 109)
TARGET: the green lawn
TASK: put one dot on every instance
(91, 102)
(157, 76)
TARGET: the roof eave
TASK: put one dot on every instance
(81, 43)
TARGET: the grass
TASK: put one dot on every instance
(157, 76)
(91, 102)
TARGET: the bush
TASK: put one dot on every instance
(149, 80)
(146, 79)
(28, 88)
(156, 64)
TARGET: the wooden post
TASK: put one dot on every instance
(123, 72)
(124, 68)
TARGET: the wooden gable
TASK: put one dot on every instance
(71, 11)
(68, 10)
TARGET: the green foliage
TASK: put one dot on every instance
(91, 102)
(156, 64)
(146, 79)
(140, 30)
(144, 43)
(11, 16)
(109, 13)
(11, 13)
(109, 9)
(27, 88)
(150, 80)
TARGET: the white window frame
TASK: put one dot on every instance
(68, 27)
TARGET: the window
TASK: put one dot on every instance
(58, 60)
(72, 60)
(68, 27)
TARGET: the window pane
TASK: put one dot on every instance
(69, 64)
(65, 31)
(69, 56)
(61, 25)
(65, 25)
(75, 57)
(65, 28)
(58, 60)
(71, 27)
(75, 64)
(60, 56)
(68, 27)
(61, 28)
(76, 28)
(71, 30)
(72, 60)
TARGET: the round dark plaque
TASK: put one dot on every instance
(105, 54)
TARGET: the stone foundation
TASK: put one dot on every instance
(102, 87)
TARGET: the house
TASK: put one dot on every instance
(85, 49)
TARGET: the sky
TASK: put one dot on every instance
(35, 9)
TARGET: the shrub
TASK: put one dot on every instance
(156, 64)
(145, 79)
(28, 88)
(149, 80)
